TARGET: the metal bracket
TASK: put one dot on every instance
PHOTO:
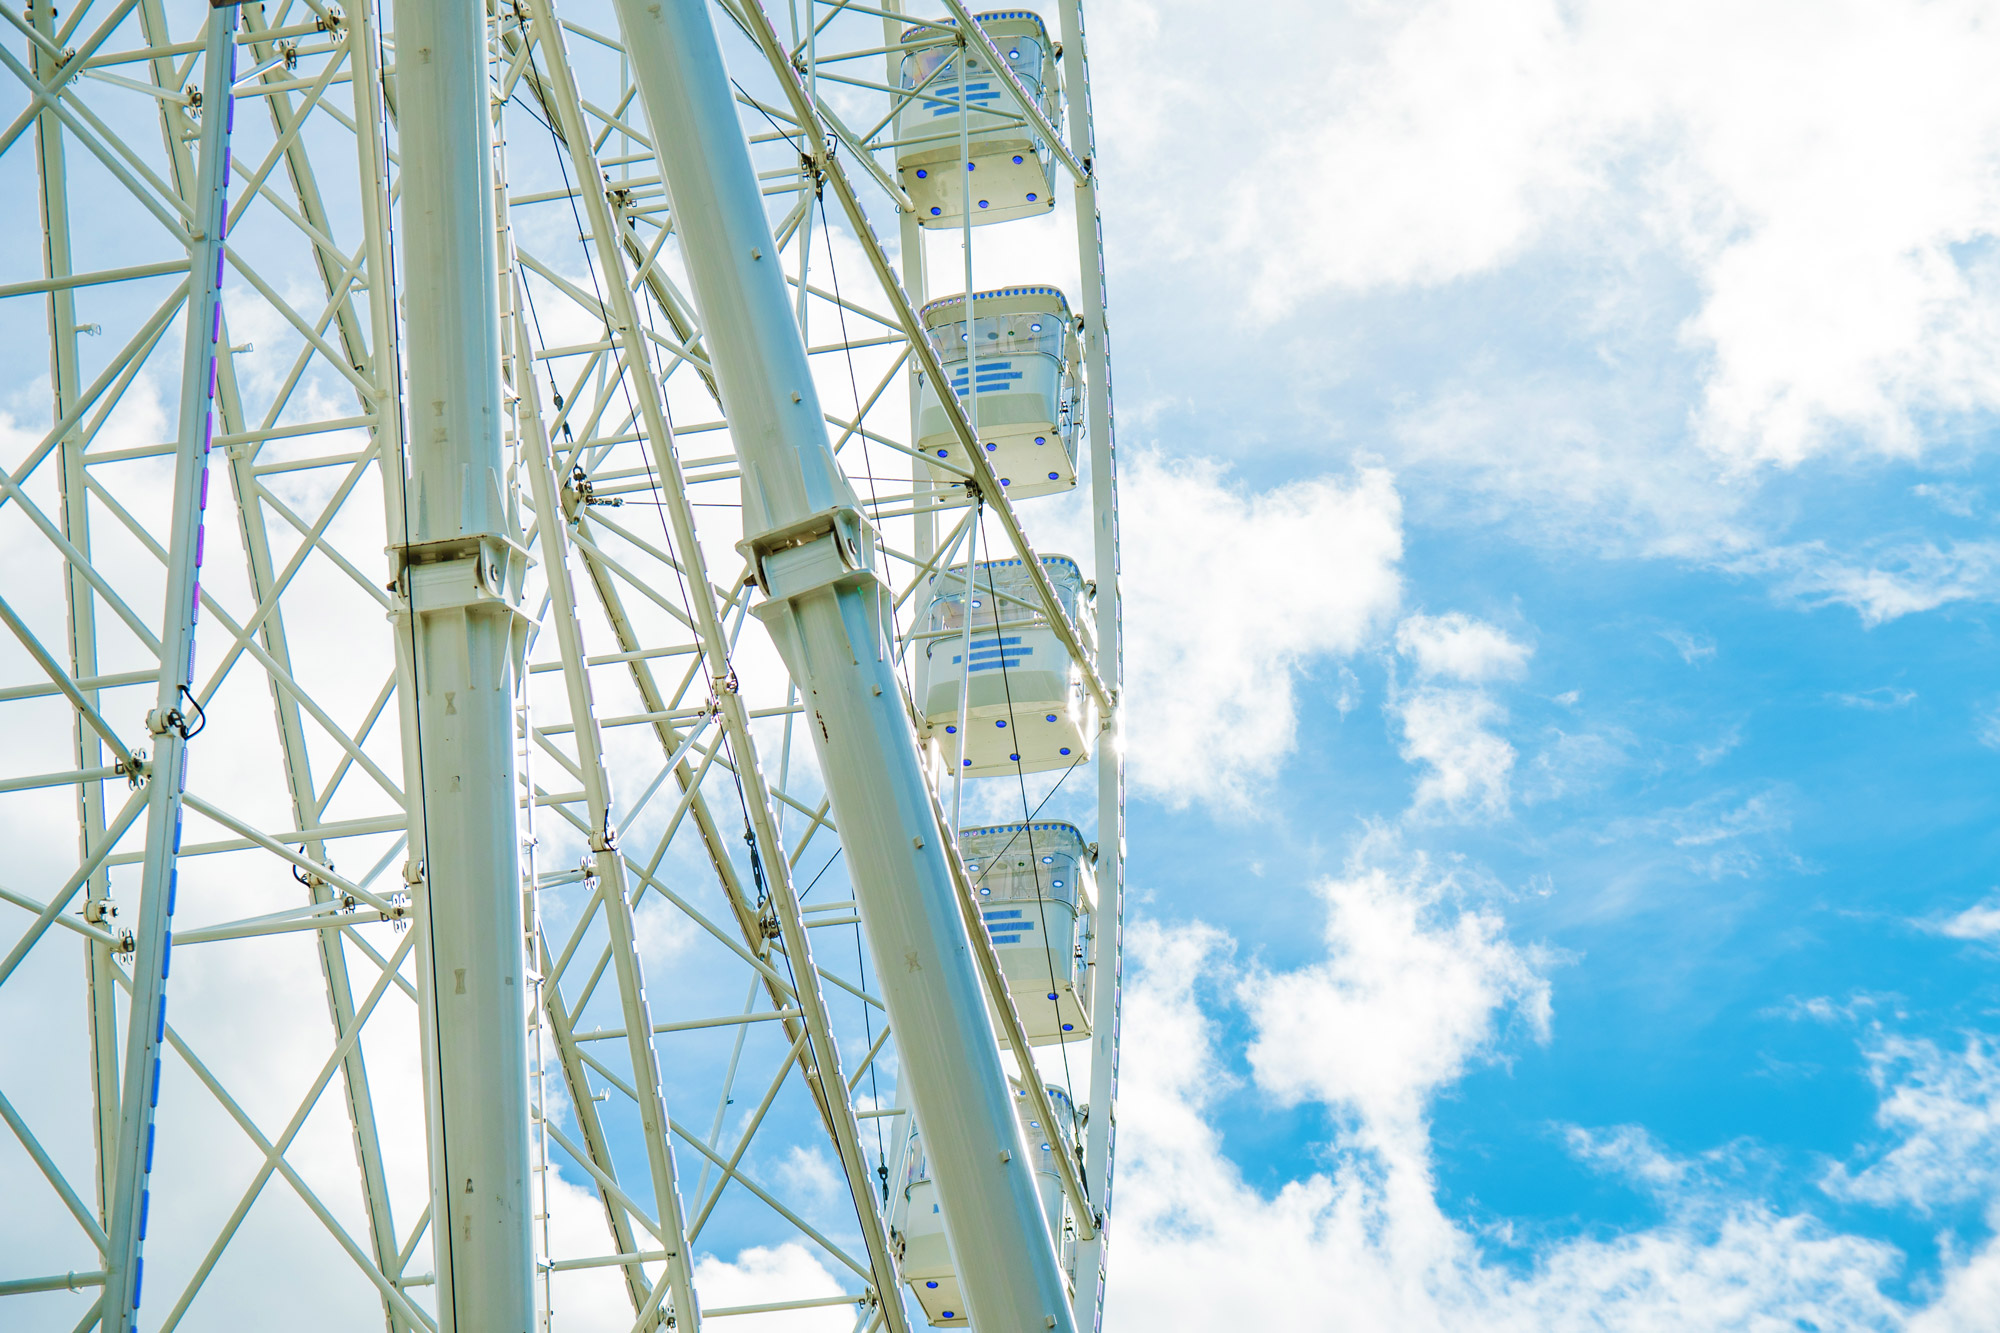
(477, 569)
(831, 548)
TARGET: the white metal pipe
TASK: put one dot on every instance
(173, 719)
(459, 573)
(826, 609)
(1101, 1129)
(618, 918)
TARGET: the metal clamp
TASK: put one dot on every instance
(831, 548)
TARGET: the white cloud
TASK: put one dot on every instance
(1961, 501)
(1569, 763)
(1944, 1110)
(1978, 922)
(1201, 1247)
(1457, 646)
(1970, 1296)
(757, 1273)
(1879, 699)
(1406, 997)
(1693, 648)
(1763, 149)
(1450, 732)
(1232, 596)
(1885, 581)
(1450, 728)
(809, 1172)
(1726, 834)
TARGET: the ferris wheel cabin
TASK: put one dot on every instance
(1011, 169)
(1038, 900)
(1043, 1145)
(916, 1216)
(1023, 706)
(1015, 373)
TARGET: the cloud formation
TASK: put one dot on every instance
(1413, 993)
(1232, 597)
(1450, 723)
(1760, 149)
(1406, 998)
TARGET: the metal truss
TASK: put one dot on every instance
(710, 1064)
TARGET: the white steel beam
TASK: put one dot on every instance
(1100, 1128)
(651, 1100)
(827, 610)
(170, 726)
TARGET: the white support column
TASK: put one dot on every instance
(459, 571)
(1100, 1130)
(826, 608)
(174, 718)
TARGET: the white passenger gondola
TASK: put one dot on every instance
(915, 1214)
(1043, 1145)
(1014, 373)
(1012, 169)
(1038, 901)
(1026, 707)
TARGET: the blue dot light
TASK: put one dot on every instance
(1001, 723)
(949, 1315)
(1052, 995)
(922, 174)
(1015, 757)
(944, 453)
(1049, 860)
(937, 212)
(1069, 1027)
(1017, 162)
(982, 203)
(1041, 439)
(972, 166)
(1031, 199)
(991, 447)
(984, 892)
(967, 763)
(1065, 749)
(931, 1285)
(1006, 481)
(1056, 882)
(1055, 476)
(1052, 717)
(951, 731)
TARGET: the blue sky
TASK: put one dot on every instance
(1558, 903)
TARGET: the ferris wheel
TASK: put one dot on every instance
(430, 898)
